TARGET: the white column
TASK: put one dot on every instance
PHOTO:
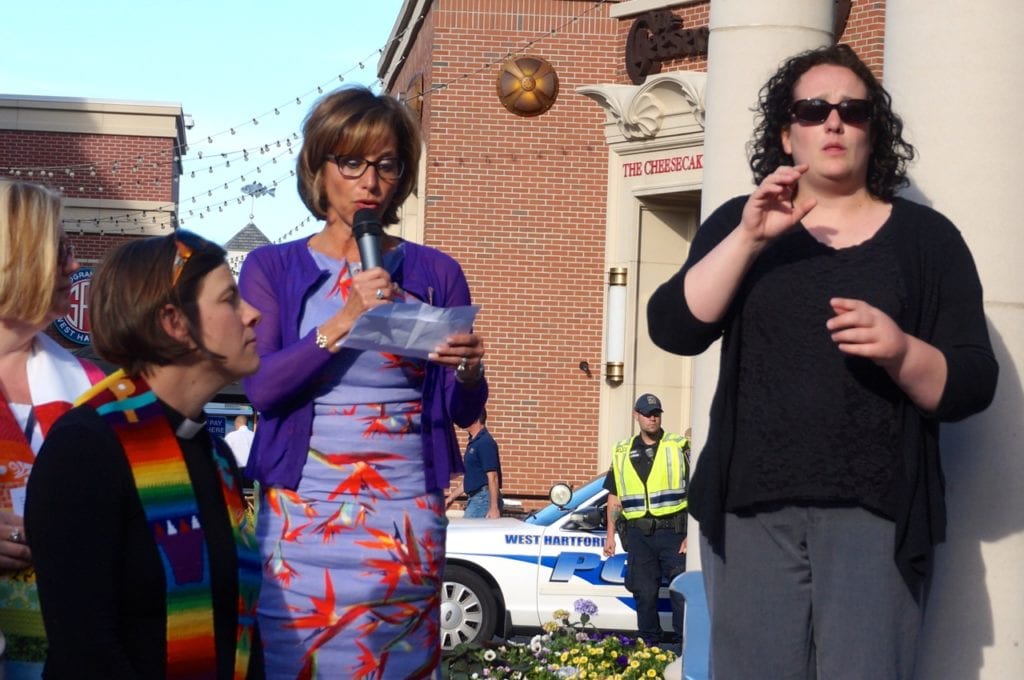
(953, 69)
(748, 41)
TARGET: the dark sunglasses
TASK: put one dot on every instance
(816, 111)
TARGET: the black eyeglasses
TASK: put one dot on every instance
(816, 111)
(65, 252)
(353, 167)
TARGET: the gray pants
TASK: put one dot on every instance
(806, 593)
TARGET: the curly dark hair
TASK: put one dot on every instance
(887, 166)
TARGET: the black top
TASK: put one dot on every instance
(101, 582)
(814, 425)
(943, 307)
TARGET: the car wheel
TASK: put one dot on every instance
(469, 610)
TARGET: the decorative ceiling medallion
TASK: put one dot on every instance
(527, 86)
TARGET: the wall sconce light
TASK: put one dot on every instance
(615, 340)
(527, 85)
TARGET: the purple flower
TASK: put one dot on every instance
(583, 606)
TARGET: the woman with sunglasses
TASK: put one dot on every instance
(852, 324)
(355, 447)
(38, 379)
(147, 563)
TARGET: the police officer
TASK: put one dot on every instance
(647, 483)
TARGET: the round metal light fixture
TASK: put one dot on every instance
(527, 86)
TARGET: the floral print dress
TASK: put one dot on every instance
(353, 557)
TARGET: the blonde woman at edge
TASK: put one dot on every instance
(39, 380)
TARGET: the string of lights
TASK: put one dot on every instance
(213, 160)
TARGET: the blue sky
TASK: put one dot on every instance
(225, 62)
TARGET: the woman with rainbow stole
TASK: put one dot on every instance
(135, 514)
(38, 381)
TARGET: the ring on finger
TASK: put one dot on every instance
(15, 536)
(380, 294)
(463, 365)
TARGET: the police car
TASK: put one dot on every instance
(507, 576)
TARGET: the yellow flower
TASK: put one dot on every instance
(651, 673)
(634, 664)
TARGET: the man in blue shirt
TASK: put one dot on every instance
(482, 481)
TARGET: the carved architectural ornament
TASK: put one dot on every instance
(641, 112)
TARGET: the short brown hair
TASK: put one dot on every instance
(132, 286)
(29, 238)
(349, 121)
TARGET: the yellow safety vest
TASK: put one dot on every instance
(665, 491)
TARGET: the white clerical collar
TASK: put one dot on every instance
(187, 429)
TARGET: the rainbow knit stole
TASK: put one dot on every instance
(250, 567)
(168, 500)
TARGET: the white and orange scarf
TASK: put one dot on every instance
(55, 377)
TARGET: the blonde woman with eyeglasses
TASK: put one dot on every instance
(39, 380)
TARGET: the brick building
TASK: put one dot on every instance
(645, 136)
(116, 164)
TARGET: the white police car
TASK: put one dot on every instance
(507, 575)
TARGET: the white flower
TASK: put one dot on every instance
(489, 655)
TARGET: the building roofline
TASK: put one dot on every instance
(407, 26)
(89, 104)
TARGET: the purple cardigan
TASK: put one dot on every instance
(276, 280)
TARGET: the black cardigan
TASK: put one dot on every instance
(944, 308)
(101, 581)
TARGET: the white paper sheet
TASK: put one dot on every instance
(410, 329)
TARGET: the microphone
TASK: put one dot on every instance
(367, 229)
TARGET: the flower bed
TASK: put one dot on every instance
(566, 649)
